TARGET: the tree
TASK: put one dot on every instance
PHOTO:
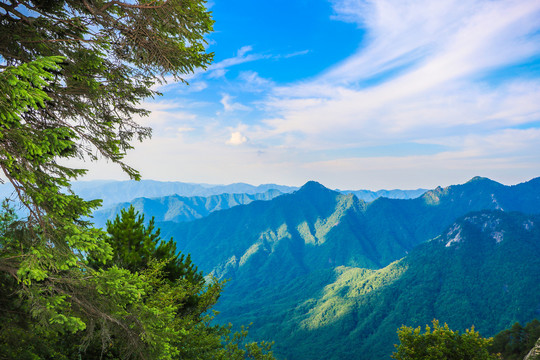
(101, 60)
(175, 284)
(73, 74)
(516, 342)
(441, 343)
(135, 245)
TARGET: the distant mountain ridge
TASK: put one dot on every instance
(368, 195)
(113, 192)
(177, 208)
(162, 199)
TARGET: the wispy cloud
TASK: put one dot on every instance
(421, 76)
(243, 55)
(229, 105)
(252, 82)
(440, 52)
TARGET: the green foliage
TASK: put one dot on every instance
(516, 342)
(72, 76)
(441, 343)
(134, 244)
(113, 51)
(173, 292)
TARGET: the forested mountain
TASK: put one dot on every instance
(315, 227)
(482, 271)
(179, 208)
(318, 267)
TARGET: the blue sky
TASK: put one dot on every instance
(354, 94)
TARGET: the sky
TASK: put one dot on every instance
(354, 94)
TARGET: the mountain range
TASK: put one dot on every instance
(483, 270)
(329, 275)
(114, 192)
(316, 267)
(178, 208)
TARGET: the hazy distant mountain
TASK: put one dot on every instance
(368, 195)
(113, 192)
(180, 208)
(283, 254)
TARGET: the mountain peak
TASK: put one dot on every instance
(313, 186)
(477, 179)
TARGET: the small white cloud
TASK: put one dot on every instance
(237, 139)
(252, 82)
(216, 74)
(230, 105)
(297, 53)
(197, 86)
(241, 57)
(243, 50)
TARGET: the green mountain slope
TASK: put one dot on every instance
(287, 260)
(482, 270)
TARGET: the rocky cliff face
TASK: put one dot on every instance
(534, 354)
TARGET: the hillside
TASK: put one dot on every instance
(482, 271)
(294, 262)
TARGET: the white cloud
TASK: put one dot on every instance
(448, 46)
(230, 105)
(237, 138)
(243, 50)
(216, 73)
(242, 56)
(252, 82)
(296, 53)
(183, 129)
(419, 77)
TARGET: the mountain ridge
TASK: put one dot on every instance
(302, 242)
(312, 215)
(178, 208)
